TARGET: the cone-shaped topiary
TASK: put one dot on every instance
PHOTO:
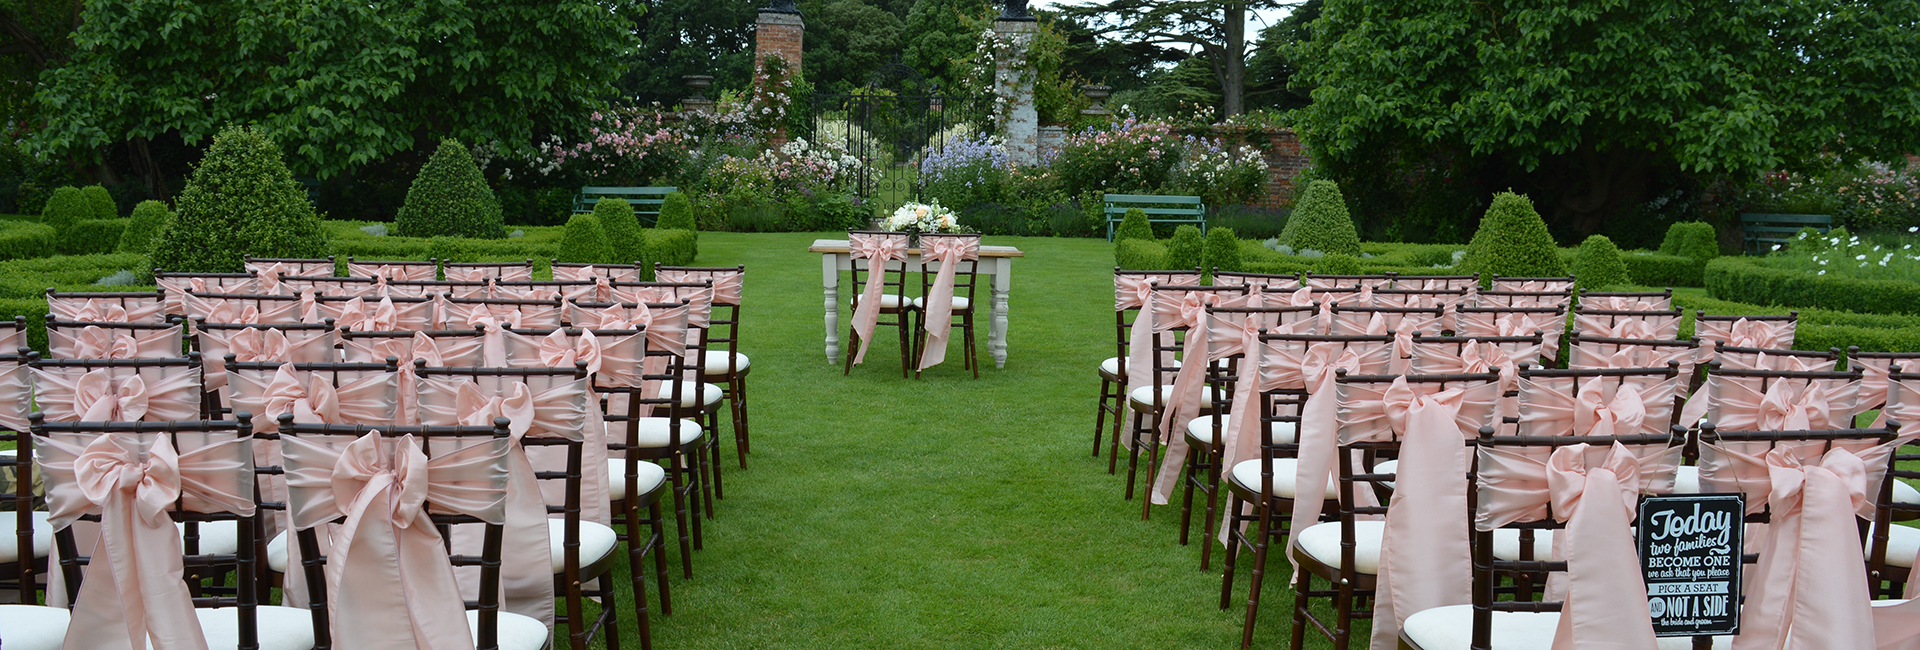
(1222, 250)
(66, 207)
(1597, 264)
(100, 202)
(1695, 239)
(1319, 222)
(147, 219)
(1512, 241)
(624, 244)
(241, 200)
(1134, 226)
(449, 197)
(584, 241)
(1184, 251)
(676, 212)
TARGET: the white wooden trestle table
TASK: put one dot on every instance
(836, 260)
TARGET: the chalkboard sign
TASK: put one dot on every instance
(1690, 556)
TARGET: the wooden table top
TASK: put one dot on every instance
(840, 246)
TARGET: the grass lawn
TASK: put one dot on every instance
(942, 513)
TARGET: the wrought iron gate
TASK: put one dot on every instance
(891, 125)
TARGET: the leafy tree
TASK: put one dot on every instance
(1217, 29)
(1125, 65)
(450, 198)
(940, 38)
(34, 36)
(66, 207)
(690, 37)
(676, 212)
(241, 201)
(1583, 105)
(339, 84)
(846, 41)
(1271, 68)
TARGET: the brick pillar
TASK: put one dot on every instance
(1285, 160)
(778, 32)
(1019, 119)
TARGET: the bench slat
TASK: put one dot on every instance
(1756, 217)
(1118, 205)
(1154, 211)
(1149, 198)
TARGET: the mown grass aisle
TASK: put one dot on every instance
(942, 513)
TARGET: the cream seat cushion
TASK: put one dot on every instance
(42, 536)
(1201, 429)
(1247, 474)
(1387, 467)
(1506, 544)
(279, 628)
(33, 627)
(649, 473)
(654, 432)
(596, 541)
(1142, 397)
(1322, 543)
(694, 394)
(516, 632)
(1451, 628)
(216, 537)
(960, 303)
(1903, 543)
(715, 362)
(890, 301)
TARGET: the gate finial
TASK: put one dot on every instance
(1015, 10)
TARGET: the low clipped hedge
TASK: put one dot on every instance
(1818, 329)
(93, 236)
(29, 278)
(1139, 254)
(670, 247)
(26, 239)
(35, 309)
(1659, 270)
(1740, 279)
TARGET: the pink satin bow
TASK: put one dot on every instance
(727, 283)
(948, 252)
(878, 250)
(1808, 591)
(1606, 602)
(1743, 333)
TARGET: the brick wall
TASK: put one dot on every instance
(1285, 160)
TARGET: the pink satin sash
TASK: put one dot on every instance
(256, 344)
(1476, 357)
(402, 272)
(177, 288)
(1514, 324)
(1657, 326)
(16, 397)
(118, 395)
(95, 342)
(948, 252)
(1320, 417)
(1136, 292)
(1737, 404)
(1424, 551)
(506, 272)
(1533, 285)
(878, 250)
(1605, 601)
(388, 576)
(1743, 333)
(133, 594)
(1622, 303)
(108, 310)
(1601, 406)
(727, 283)
(249, 312)
(1593, 355)
(1224, 334)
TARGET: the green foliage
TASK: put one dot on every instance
(340, 84)
(846, 41)
(683, 37)
(671, 247)
(676, 211)
(1694, 239)
(1745, 280)
(1222, 250)
(1140, 254)
(99, 202)
(93, 236)
(25, 239)
(449, 197)
(1134, 226)
(1319, 222)
(1512, 241)
(1597, 264)
(941, 38)
(147, 219)
(1658, 270)
(624, 245)
(1820, 329)
(67, 206)
(241, 200)
(585, 241)
(1337, 264)
(1185, 250)
(29, 278)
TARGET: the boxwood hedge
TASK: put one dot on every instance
(1745, 280)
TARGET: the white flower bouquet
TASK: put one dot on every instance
(923, 218)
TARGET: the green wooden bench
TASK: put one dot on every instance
(1762, 229)
(1159, 209)
(646, 200)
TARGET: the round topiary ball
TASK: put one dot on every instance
(1597, 264)
(624, 243)
(241, 200)
(147, 219)
(67, 206)
(676, 212)
(1320, 222)
(1512, 241)
(1695, 239)
(100, 202)
(1134, 226)
(584, 241)
(1184, 251)
(450, 197)
(1222, 251)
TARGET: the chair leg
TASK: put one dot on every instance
(736, 386)
(705, 468)
(740, 402)
(627, 518)
(1133, 453)
(906, 346)
(712, 417)
(1120, 406)
(682, 518)
(1100, 414)
(659, 525)
(1213, 513)
(1153, 470)
(1234, 538)
(973, 353)
(1253, 588)
(1303, 582)
(1186, 500)
(853, 349)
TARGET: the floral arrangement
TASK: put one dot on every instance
(923, 217)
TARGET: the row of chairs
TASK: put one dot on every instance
(639, 382)
(1315, 336)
